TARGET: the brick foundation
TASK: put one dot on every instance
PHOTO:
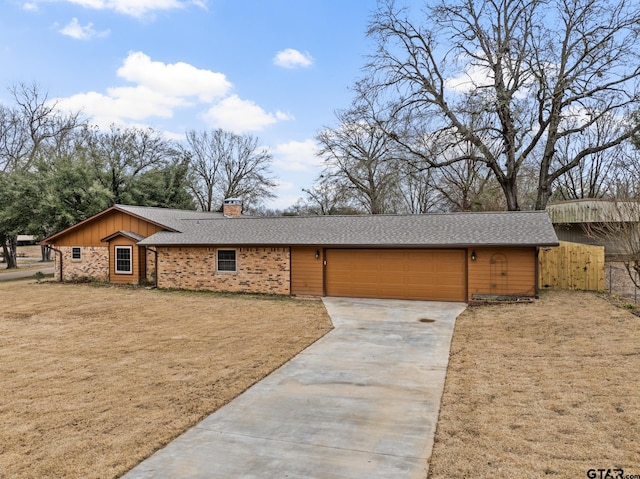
(93, 265)
(259, 270)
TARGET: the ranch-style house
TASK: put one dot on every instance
(443, 257)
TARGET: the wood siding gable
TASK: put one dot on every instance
(91, 232)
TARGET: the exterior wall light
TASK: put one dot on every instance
(473, 255)
(317, 254)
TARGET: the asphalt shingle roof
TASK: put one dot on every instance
(434, 230)
(170, 218)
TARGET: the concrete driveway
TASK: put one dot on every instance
(362, 402)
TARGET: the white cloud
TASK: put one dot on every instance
(238, 115)
(74, 30)
(134, 8)
(297, 156)
(472, 77)
(122, 104)
(291, 58)
(177, 79)
(160, 90)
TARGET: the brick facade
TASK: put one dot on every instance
(94, 264)
(259, 270)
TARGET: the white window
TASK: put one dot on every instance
(227, 260)
(76, 253)
(124, 260)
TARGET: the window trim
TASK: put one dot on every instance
(235, 260)
(115, 259)
(73, 250)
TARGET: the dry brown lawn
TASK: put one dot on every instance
(550, 389)
(94, 379)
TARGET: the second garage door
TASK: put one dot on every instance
(435, 275)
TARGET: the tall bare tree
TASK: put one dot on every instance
(358, 155)
(538, 71)
(227, 165)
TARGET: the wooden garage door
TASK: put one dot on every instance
(437, 275)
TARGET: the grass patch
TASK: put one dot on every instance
(548, 389)
(95, 379)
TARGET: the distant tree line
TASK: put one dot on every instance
(56, 169)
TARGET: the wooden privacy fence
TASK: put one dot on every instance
(571, 266)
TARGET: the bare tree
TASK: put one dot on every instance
(31, 124)
(417, 187)
(358, 156)
(326, 198)
(622, 227)
(468, 186)
(592, 176)
(539, 72)
(624, 179)
(226, 165)
(459, 183)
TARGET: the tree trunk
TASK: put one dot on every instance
(45, 252)
(544, 194)
(510, 189)
(10, 252)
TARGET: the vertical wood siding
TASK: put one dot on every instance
(135, 264)
(306, 271)
(91, 233)
(502, 271)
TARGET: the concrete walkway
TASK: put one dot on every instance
(362, 402)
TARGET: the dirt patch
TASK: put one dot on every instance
(95, 379)
(548, 389)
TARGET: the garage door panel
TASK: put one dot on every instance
(403, 274)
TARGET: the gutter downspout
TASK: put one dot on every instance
(537, 273)
(60, 253)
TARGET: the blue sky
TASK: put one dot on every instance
(276, 69)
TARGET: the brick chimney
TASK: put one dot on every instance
(232, 208)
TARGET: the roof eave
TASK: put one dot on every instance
(127, 234)
(355, 245)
